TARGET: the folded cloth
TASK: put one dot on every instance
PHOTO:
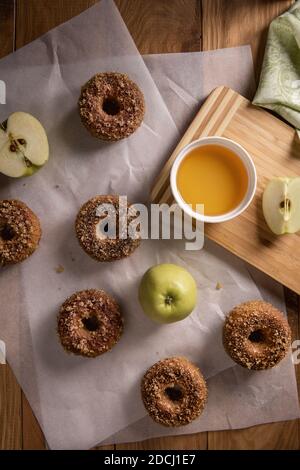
(279, 87)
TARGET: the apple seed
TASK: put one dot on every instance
(14, 147)
(27, 162)
(286, 205)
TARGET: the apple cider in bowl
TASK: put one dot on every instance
(214, 172)
(214, 176)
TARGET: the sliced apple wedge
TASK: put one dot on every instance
(281, 205)
(24, 147)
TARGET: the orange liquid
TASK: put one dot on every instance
(214, 176)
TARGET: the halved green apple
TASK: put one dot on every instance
(281, 205)
(24, 147)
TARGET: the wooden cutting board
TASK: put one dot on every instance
(275, 149)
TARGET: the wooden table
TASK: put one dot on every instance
(156, 26)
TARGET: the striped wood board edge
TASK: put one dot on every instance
(275, 150)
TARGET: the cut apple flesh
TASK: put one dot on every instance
(24, 145)
(11, 164)
(281, 205)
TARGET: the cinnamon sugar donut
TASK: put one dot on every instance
(256, 335)
(20, 231)
(111, 106)
(92, 237)
(89, 323)
(174, 392)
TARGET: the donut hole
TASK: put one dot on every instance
(257, 336)
(111, 106)
(7, 233)
(91, 323)
(174, 393)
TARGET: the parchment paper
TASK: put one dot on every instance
(185, 80)
(78, 401)
(235, 395)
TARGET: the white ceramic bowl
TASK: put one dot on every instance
(245, 158)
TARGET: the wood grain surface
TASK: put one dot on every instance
(7, 26)
(156, 26)
(239, 22)
(226, 113)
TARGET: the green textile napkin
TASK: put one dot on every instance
(279, 87)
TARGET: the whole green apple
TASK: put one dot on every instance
(167, 293)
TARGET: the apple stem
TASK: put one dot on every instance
(168, 300)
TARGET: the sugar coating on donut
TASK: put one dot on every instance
(20, 231)
(111, 106)
(90, 323)
(174, 392)
(256, 335)
(102, 248)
